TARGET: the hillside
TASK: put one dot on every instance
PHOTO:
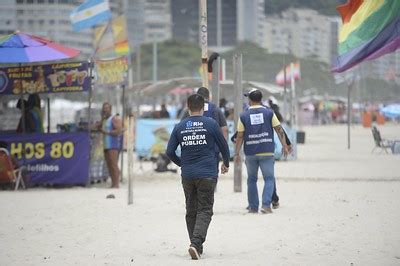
(179, 59)
(326, 7)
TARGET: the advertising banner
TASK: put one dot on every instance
(112, 72)
(56, 158)
(52, 78)
(152, 136)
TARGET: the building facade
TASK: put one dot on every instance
(7, 17)
(251, 21)
(47, 18)
(222, 21)
(302, 32)
(157, 17)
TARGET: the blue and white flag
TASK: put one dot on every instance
(89, 14)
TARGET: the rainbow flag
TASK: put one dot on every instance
(280, 77)
(111, 40)
(371, 28)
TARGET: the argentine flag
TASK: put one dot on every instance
(89, 14)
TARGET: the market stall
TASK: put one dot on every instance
(60, 158)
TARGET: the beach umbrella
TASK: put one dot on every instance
(21, 47)
(392, 110)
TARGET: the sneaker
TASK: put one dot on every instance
(252, 210)
(275, 204)
(266, 210)
(194, 253)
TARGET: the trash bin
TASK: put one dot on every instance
(366, 119)
(301, 137)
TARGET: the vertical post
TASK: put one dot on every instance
(219, 23)
(237, 72)
(348, 114)
(89, 112)
(90, 94)
(285, 103)
(203, 41)
(48, 115)
(23, 107)
(123, 127)
(294, 101)
(130, 159)
(138, 64)
(155, 62)
(215, 81)
(223, 69)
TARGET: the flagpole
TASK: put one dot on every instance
(155, 62)
(293, 85)
(204, 41)
(89, 115)
(285, 104)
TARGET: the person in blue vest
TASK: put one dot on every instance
(255, 131)
(211, 110)
(214, 112)
(197, 136)
(111, 127)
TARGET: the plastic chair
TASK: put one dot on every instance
(380, 143)
(9, 175)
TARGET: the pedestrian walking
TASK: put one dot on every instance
(255, 131)
(197, 136)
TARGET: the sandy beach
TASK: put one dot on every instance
(338, 207)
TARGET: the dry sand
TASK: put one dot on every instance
(338, 207)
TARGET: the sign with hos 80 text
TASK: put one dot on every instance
(59, 158)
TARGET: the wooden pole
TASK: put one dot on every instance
(294, 100)
(348, 114)
(285, 103)
(130, 159)
(123, 123)
(203, 41)
(237, 72)
(89, 111)
(48, 115)
(215, 81)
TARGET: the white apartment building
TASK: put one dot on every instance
(157, 20)
(251, 21)
(303, 33)
(50, 18)
(7, 17)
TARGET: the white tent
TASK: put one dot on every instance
(152, 89)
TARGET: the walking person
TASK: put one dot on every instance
(197, 137)
(111, 127)
(212, 111)
(255, 131)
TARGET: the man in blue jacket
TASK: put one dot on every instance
(255, 130)
(197, 137)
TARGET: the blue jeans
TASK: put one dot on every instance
(266, 164)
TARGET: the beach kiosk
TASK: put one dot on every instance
(60, 158)
(50, 158)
